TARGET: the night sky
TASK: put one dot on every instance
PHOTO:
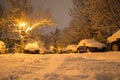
(59, 10)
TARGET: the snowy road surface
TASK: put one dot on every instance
(88, 66)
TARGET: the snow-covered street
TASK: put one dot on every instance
(86, 66)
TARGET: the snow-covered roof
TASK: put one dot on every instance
(91, 43)
(114, 37)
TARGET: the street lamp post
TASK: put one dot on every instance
(22, 34)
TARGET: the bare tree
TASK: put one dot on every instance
(110, 10)
(21, 11)
(55, 38)
(93, 19)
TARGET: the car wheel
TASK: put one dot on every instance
(115, 47)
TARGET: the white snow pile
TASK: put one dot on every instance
(85, 66)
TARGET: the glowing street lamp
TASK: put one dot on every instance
(23, 24)
(22, 34)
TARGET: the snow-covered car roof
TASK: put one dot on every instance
(114, 37)
(31, 46)
(91, 43)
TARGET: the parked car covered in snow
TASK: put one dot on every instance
(42, 50)
(3, 48)
(63, 50)
(32, 47)
(114, 41)
(51, 50)
(90, 45)
(71, 49)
